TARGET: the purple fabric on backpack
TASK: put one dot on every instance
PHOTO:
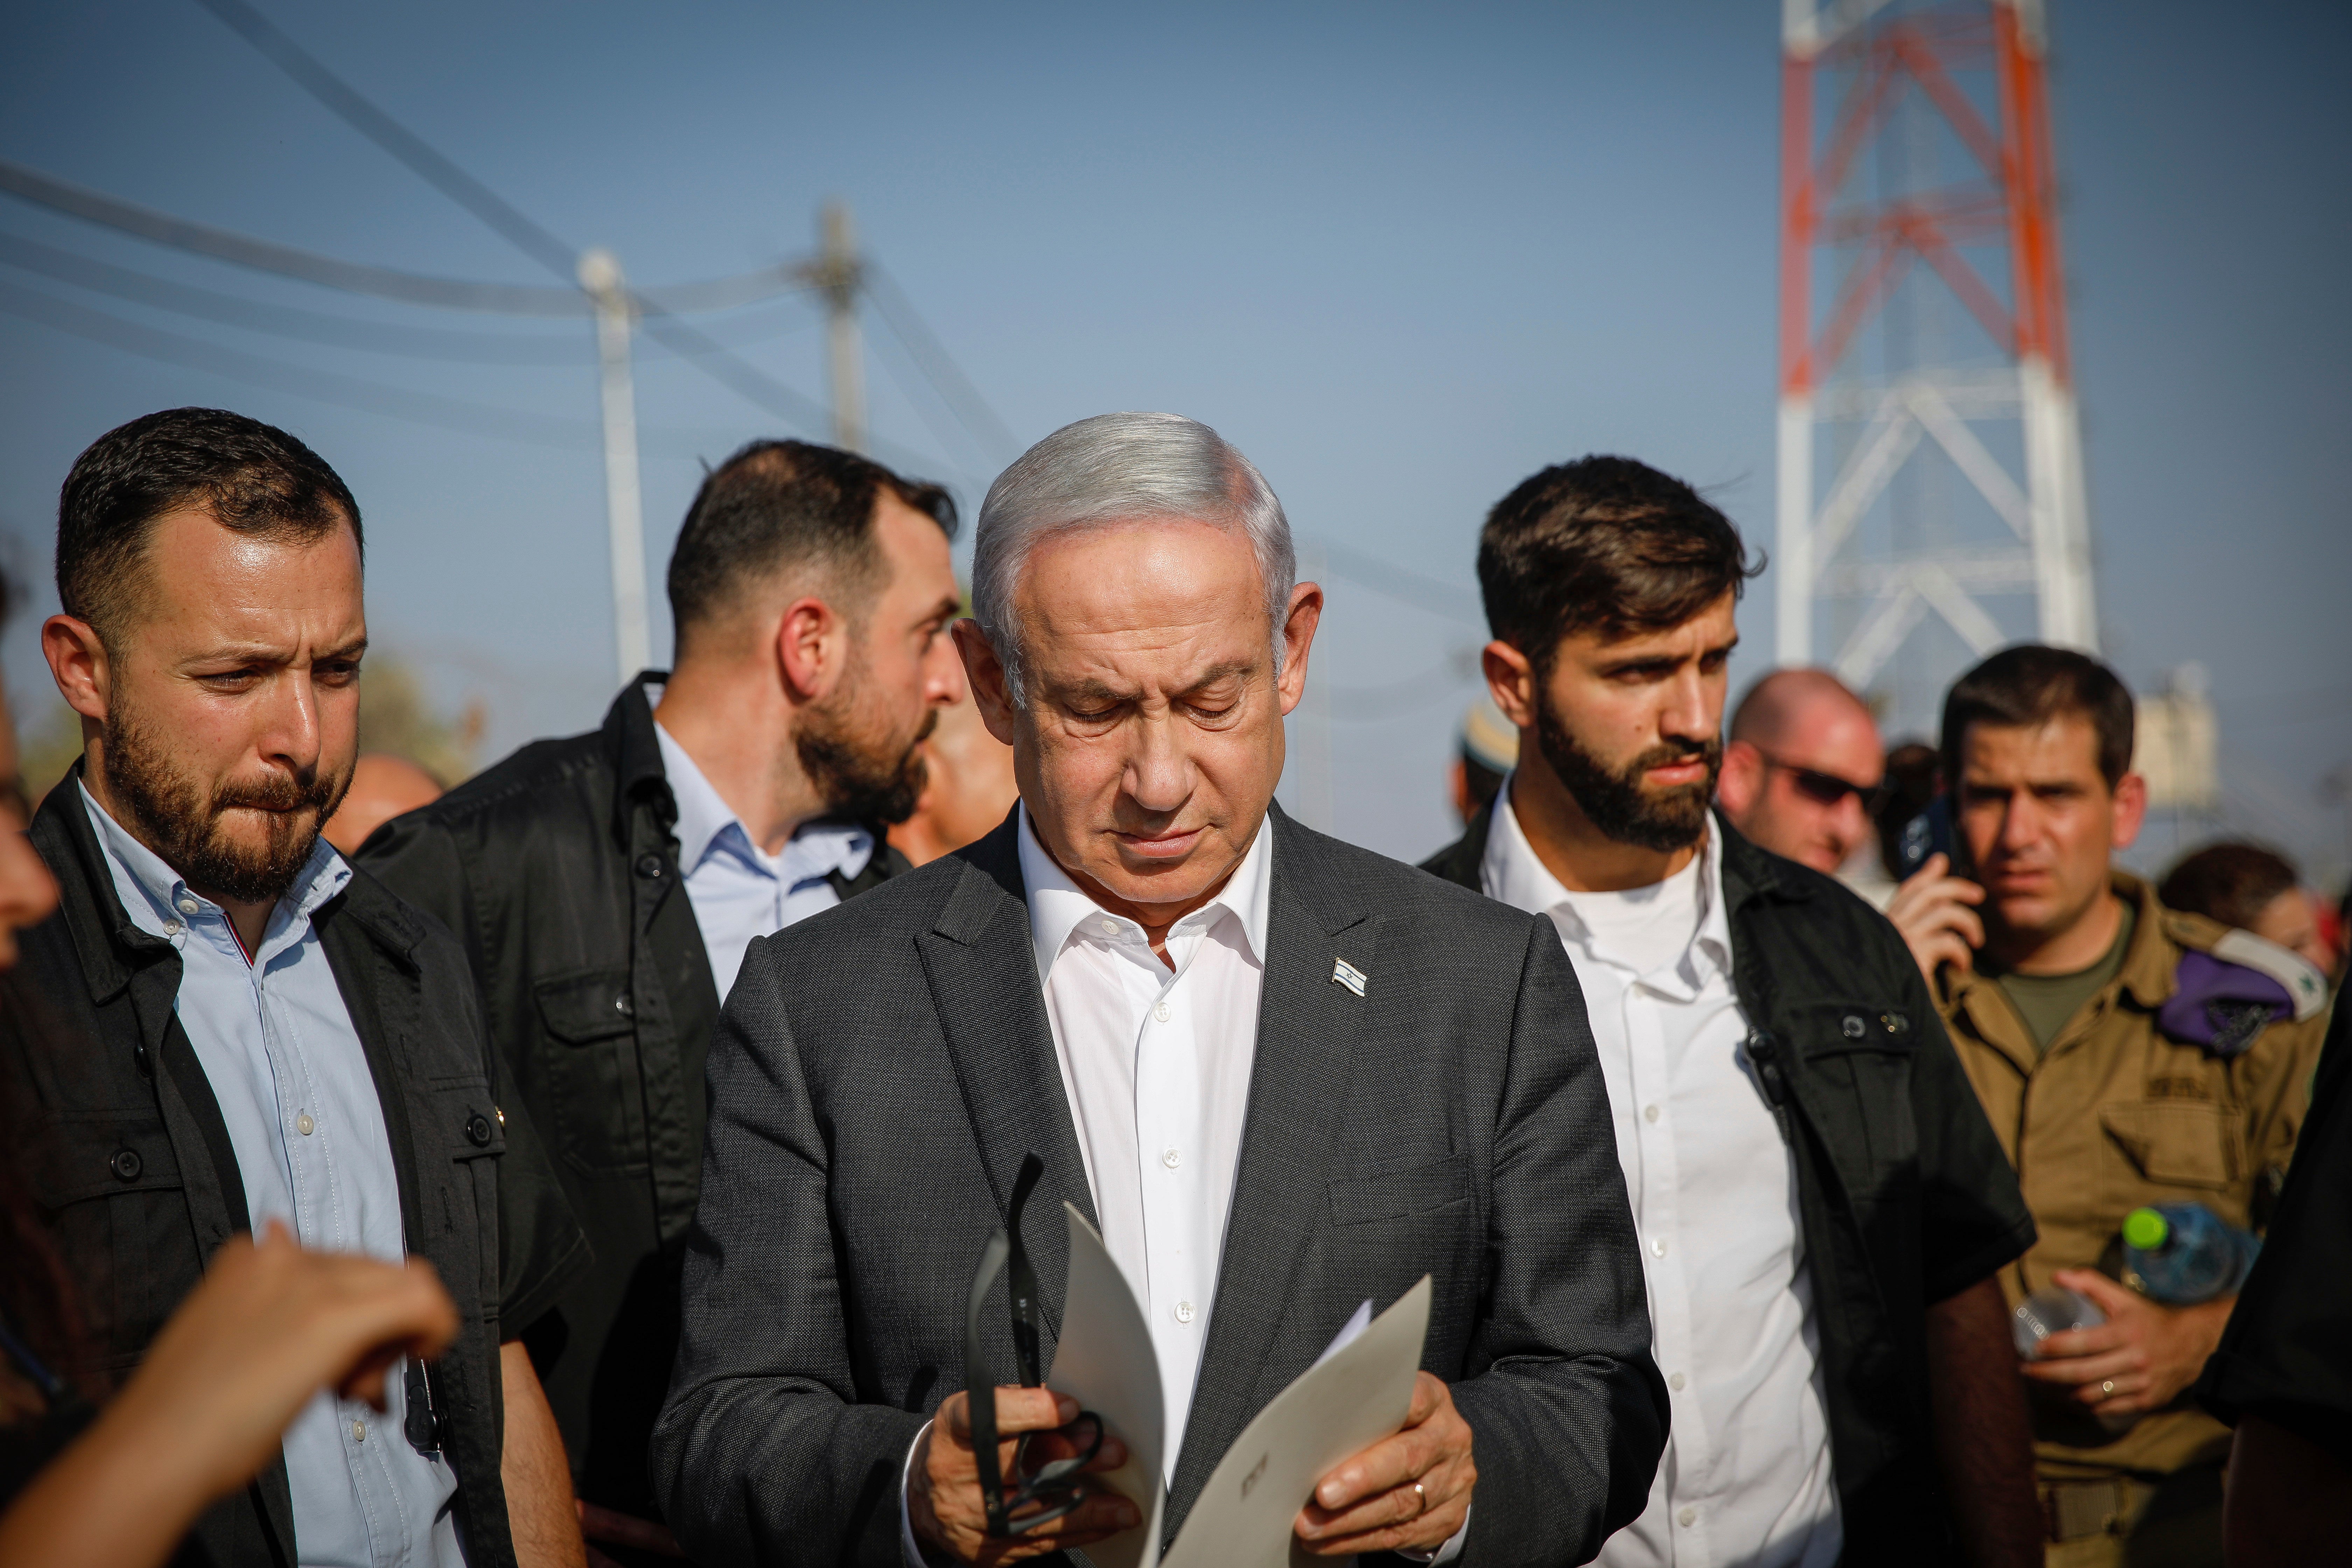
(2220, 1006)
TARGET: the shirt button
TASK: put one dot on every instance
(1159, 1011)
(1686, 1516)
(1172, 1158)
(1675, 1382)
(188, 904)
(303, 1124)
(1183, 1312)
(1109, 926)
(1658, 1246)
(1649, 1113)
(358, 1431)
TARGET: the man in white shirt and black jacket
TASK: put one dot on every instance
(1821, 1203)
(1281, 1075)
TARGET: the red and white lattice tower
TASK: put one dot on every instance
(1923, 340)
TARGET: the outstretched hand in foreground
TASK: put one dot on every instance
(272, 1325)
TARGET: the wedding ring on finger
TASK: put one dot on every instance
(2108, 1388)
(1421, 1493)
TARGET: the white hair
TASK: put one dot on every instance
(1121, 469)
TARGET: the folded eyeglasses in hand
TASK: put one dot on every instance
(1056, 1487)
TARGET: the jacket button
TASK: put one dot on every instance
(125, 1165)
(1853, 1027)
(623, 1005)
(649, 866)
(477, 1128)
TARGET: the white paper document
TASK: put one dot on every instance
(1357, 1392)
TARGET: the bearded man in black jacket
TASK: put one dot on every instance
(606, 886)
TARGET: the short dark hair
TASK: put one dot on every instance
(252, 478)
(1606, 544)
(780, 504)
(2032, 684)
(2232, 882)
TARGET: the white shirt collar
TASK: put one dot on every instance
(1512, 872)
(1056, 904)
(816, 850)
(164, 896)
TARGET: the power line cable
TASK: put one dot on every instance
(1369, 704)
(455, 346)
(1402, 583)
(518, 228)
(710, 295)
(922, 406)
(265, 256)
(461, 415)
(938, 367)
(289, 322)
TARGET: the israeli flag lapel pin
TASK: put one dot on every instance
(1346, 974)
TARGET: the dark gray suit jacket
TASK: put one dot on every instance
(881, 1070)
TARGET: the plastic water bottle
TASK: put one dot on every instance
(2053, 1309)
(2185, 1253)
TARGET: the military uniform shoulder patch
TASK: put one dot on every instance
(2224, 998)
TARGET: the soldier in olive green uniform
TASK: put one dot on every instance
(2123, 1062)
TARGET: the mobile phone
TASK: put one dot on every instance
(1929, 832)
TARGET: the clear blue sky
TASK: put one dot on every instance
(1401, 257)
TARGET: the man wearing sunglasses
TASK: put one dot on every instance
(1802, 768)
(1821, 1206)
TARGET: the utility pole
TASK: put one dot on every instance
(600, 276)
(1923, 377)
(837, 272)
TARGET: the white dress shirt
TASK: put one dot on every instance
(1156, 1065)
(739, 890)
(276, 1045)
(1746, 1479)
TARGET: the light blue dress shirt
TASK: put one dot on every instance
(737, 890)
(276, 1045)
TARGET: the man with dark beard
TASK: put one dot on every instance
(608, 885)
(273, 1037)
(1821, 1206)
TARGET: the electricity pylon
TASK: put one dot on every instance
(1929, 369)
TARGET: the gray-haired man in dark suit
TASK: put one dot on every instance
(1280, 1074)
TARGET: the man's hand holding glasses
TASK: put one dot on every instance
(944, 1500)
(1008, 1480)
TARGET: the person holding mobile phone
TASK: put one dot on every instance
(2126, 1054)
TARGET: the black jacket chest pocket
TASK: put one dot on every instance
(112, 1187)
(1423, 1188)
(85, 1155)
(1857, 1056)
(594, 1096)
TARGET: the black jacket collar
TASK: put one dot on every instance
(634, 752)
(1749, 873)
(105, 941)
(1753, 875)
(640, 780)
(110, 947)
